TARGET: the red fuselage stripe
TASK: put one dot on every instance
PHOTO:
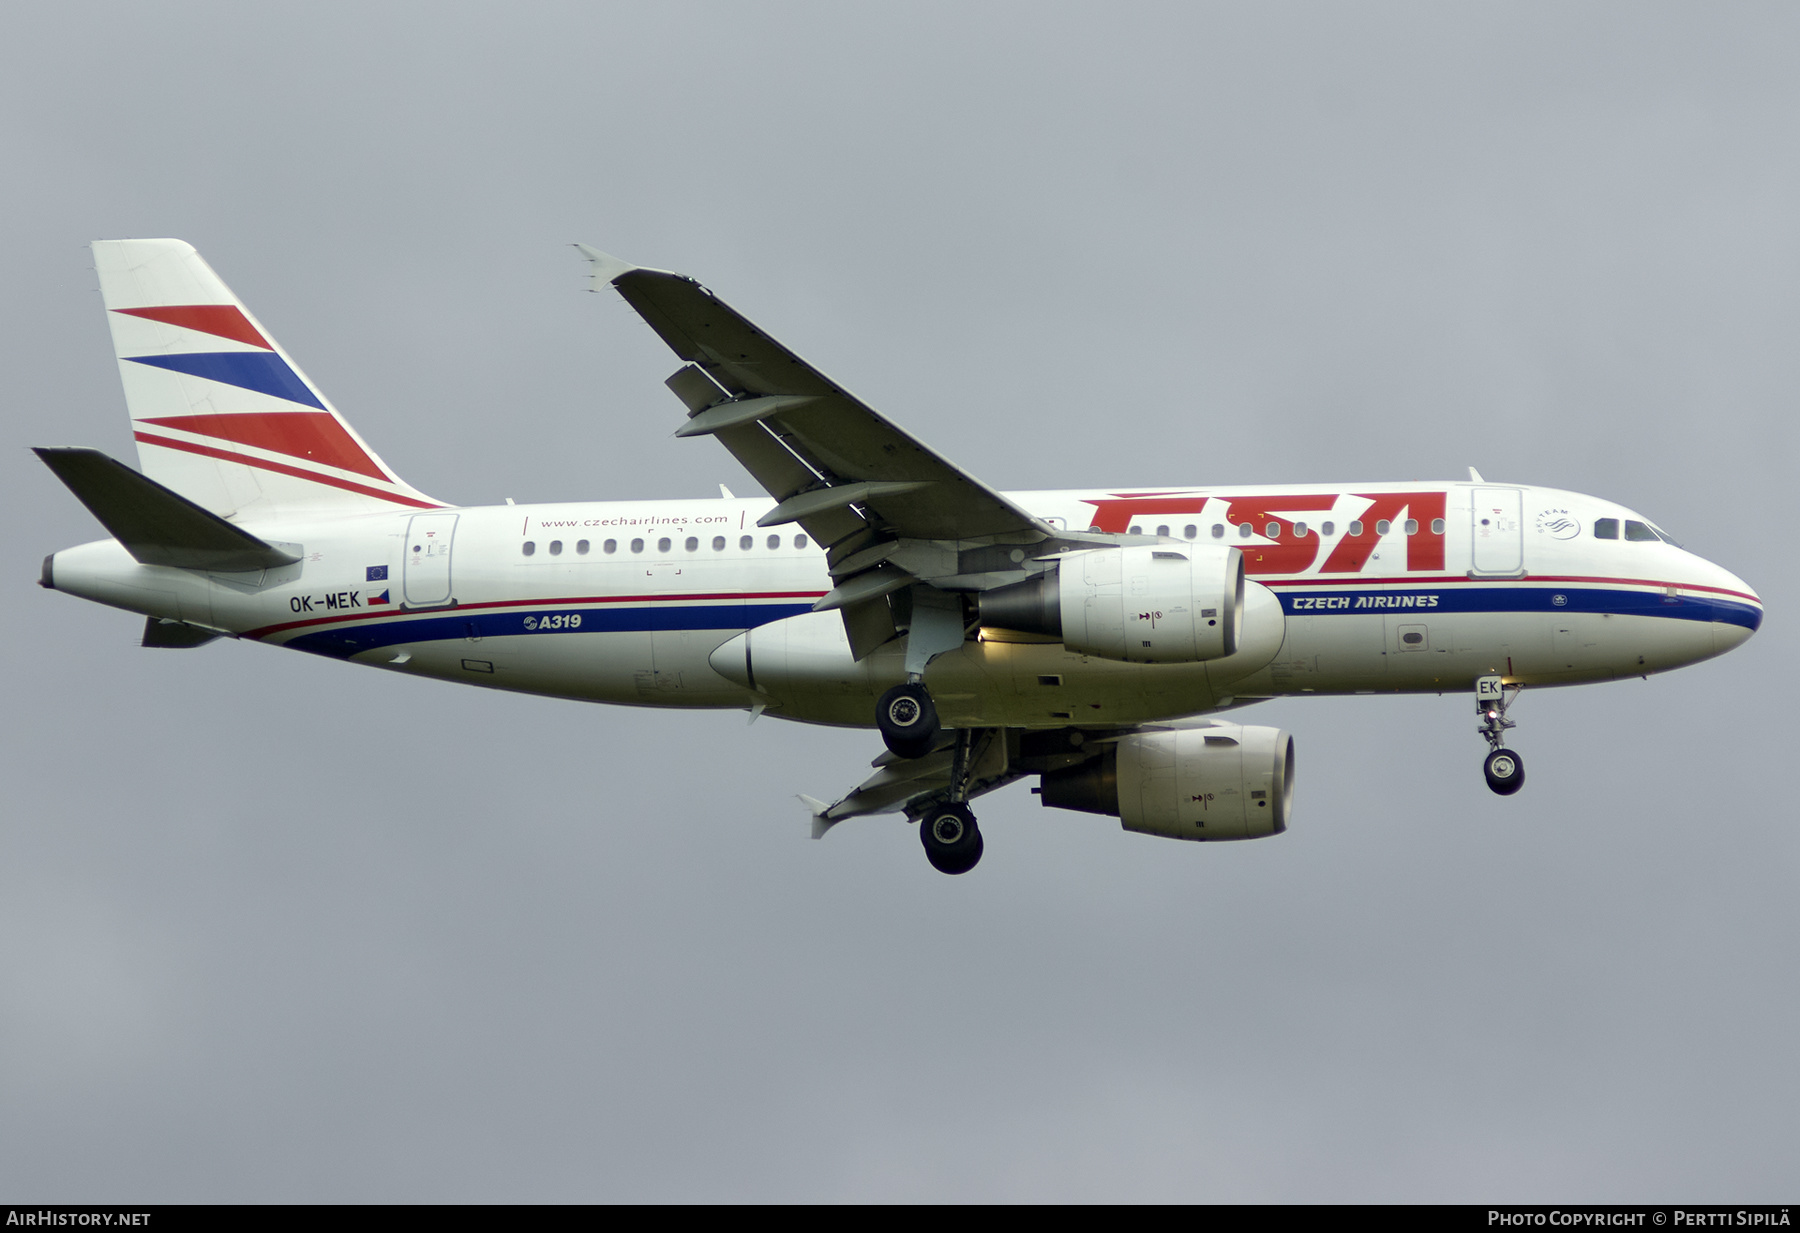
(1353, 580)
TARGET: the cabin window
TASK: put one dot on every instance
(1606, 528)
(1412, 526)
(1245, 530)
(774, 541)
(1638, 533)
(1327, 528)
(556, 547)
(664, 544)
(1163, 532)
(747, 543)
(1356, 527)
(1134, 530)
(718, 543)
(528, 547)
(799, 541)
(1412, 638)
(582, 546)
(1218, 530)
(1190, 531)
(1437, 526)
(637, 545)
(1383, 526)
(1299, 530)
(693, 543)
(609, 547)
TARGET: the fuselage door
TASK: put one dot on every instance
(427, 569)
(1497, 529)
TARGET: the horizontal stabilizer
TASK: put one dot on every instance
(158, 526)
(174, 635)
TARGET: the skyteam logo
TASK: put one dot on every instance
(1558, 524)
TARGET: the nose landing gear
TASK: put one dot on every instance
(1503, 768)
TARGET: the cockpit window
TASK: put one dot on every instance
(1637, 532)
(1664, 536)
(1606, 528)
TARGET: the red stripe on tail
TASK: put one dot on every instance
(222, 320)
(313, 435)
(281, 468)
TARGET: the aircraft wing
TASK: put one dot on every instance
(834, 464)
(905, 785)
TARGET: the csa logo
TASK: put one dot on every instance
(1558, 524)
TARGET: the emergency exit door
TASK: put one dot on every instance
(426, 573)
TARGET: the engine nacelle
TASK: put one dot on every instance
(1218, 782)
(1149, 604)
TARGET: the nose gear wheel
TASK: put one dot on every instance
(1505, 771)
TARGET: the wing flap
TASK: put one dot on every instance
(909, 785)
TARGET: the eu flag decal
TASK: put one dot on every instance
(375, 573)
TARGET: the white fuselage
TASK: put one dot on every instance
(689, 603)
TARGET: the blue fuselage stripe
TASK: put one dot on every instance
(1427, 602)
(342, 642)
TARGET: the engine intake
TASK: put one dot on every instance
(1153, 604)
(1214, 783)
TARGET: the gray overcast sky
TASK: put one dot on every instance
(273, 928)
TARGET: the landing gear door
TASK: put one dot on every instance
(1497, 529)
(427, 570)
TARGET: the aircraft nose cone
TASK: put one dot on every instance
(1737, 610)
(1729, 637)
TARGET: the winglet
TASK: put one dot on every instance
(816, 810)
(607, 268)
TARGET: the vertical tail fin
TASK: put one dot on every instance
(221, 414)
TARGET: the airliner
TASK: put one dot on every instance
(1092, 639)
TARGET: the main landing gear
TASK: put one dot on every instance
(1503, 768)
(908, 720)
(951, 838)
(946, 827)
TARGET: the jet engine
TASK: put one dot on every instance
(1155, 604)
(1222, 781)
